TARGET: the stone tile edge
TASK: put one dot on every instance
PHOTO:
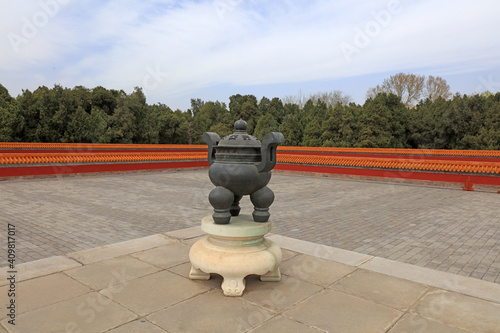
(443, 280)
(321, 251)
(129, 246)
(187, 233)
(431, 277)
(39, 268)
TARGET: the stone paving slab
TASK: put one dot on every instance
(439, 228)
(316, 270)
(284, 324)
(211, 312)
(107, 273)
(460, 310)
(85, 313)
(141, 325)
(412, 322)
(112, 251)
(435, 278)
(316, 294)
(165, 256)
(373, 286)
(47, 290)
(333, 311)
(40, 267)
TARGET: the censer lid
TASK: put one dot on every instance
(240, 138)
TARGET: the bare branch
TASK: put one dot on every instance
(408, 87)
(331, 98)
(436, 87)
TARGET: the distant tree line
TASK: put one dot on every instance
(330, 119)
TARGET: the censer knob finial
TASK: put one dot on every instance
(240, 125)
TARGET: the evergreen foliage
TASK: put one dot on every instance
(100, 115)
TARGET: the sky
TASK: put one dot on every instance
(179, 50)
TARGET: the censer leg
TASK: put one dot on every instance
(235, 207)
(221, 199)
(261, 200)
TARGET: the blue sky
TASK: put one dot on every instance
(178, 50)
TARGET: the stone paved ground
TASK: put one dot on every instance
(444, 229)
(143, 285)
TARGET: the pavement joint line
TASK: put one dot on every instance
(426, 276)
(412, 307)
(39, 268)
(119, 249)
(434, 278)
(100, 211)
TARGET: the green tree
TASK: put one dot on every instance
(122, 121)
(196, 105)
(265, 125)
(52, 115)
(292, 127)
(244, 107)
(100, 132)
(313, 116)
(181, 133)
(222, 128)
(149, 127)
(489, 136)
(30, 114)
(349, 125)
(167, 123)
(312, 134)
(79, 96)
(277, 110)
(11, 120)
(264, 104)
(341, 127)
(251, 114)
(79, 128)
(308, 111)
(104, 99)
(144, 127)
(382, 123)
(174, 127)
(463, 121)
(426, 125)
(331, 136)
(209, 115)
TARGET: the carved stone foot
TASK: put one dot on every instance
(233, 286)
(198, 274)
(272, 276)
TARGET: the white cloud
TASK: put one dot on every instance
(198, 44)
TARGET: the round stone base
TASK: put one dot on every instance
(234, 251)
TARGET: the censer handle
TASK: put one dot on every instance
(268, 151)
(212, 139)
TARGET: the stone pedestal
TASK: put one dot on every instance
(234, 251)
